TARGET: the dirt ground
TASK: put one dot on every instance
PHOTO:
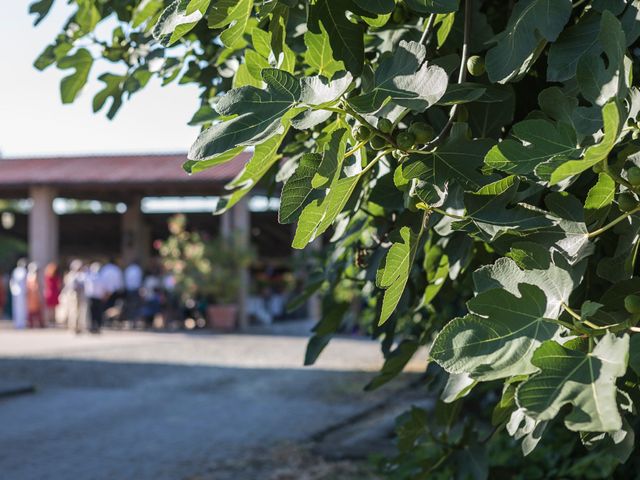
(289, 462)
(135, 405)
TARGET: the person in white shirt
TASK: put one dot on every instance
(113, 284)
(96, 294)
(18, 288)
(133, 276)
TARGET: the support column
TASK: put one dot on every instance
(241, 225)
(226, 228)
(43, 226)
(135, 242)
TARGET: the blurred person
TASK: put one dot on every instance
(95, 293)
(74, 298)
(35, 316)
(133, 276)
(52, 289)
(3, 295)
(18, 287)
(171, 306)
(112, 281)
(151, 281)
(152, 306)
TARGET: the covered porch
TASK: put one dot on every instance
(133, 184)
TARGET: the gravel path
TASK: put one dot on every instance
(129, 405)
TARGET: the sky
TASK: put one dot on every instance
(34, 122)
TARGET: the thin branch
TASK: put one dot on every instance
(613, 223)
(571, 312)
(374, 161)
(462, 74)
(373, 215)
(355, 149)
(617, 178)
(562, 323)
(447, 214)
(579, 318)
(426, 34)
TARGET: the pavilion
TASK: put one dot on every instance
(124, 179)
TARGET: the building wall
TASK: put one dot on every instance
(89, 235)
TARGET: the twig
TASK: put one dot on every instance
(375, 160)
(426, 34)
(355, 149)
(613, 223)
(617, 178)
(578, 317)
(447, 214)
(462, 74)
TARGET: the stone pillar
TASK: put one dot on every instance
(226, 228)
(241, 221)
(43, 226)
(135, 241)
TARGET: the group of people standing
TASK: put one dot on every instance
(31, 305)
(81, 298)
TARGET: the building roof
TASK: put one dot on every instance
(97, 176)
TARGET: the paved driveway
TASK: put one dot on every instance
(127, 405)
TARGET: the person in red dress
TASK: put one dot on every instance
(52, 288)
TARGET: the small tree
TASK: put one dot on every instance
(478, 164)
(203, 268)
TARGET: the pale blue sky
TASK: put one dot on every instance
(33, 120)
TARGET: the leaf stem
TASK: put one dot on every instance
(329, 109)
(374, 161)
(462, 74)
(447, 214)
(562, 323)
(617, 178)
(571, 312)
(634, 254)
(400, 117)
(613, 223)
(355, 149)
(426, 34)
(577, 316)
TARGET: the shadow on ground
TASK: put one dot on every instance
(96, 419)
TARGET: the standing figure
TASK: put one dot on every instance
(52, 288)
(35, 318)
(74, 298)
(18, 287)
(3, 295)
(133, 276)
(95, 293)
(113, 283)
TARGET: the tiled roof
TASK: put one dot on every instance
(109, 170)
